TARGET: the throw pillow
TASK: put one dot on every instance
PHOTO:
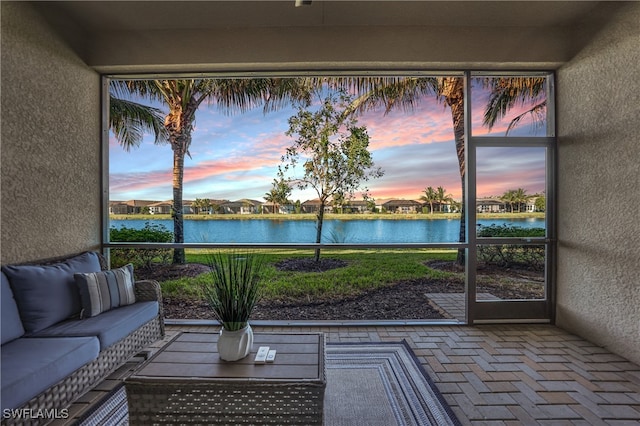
(47, 294)
(105, 290)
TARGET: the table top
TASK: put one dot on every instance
(193, 357)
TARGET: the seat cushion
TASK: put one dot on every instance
(32, 365)
(110, 327)
(11, 324)
(48, 294)
(105, 290)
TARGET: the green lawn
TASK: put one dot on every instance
(365, 270)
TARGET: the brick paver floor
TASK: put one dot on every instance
(453, 304)
(508, 374)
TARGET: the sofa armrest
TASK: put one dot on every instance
(148, 291)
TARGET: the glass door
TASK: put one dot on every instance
(511, 167)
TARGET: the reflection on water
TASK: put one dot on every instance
(376, 231)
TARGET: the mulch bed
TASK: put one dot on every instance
(401, 300)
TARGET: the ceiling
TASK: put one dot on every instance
(164, 36)
(96, 16)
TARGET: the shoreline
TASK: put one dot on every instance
(329, 216)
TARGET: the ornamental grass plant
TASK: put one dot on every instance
(233, 287)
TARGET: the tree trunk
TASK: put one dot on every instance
(320, 219)
(460, 258)
(177, 213)
(454, 94)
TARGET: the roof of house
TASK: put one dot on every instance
(401, 202)
(133, 203)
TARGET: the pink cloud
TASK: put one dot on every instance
(139, 181)
(216, 168)
(531, 180)
(424, 124)
(500, 170)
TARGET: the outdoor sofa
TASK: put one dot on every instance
(66, 325)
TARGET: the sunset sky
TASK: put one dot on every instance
(237, 156)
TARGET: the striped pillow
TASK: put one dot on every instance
(101, 291)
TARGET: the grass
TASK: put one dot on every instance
(365, 270)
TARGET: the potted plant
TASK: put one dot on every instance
(232, 292)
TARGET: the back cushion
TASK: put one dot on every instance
(48, 294)
(11, 324)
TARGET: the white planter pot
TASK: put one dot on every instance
(235, 345)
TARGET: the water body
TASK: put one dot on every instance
(376, 231)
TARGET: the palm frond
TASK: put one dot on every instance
(537, 112)
(242, 94)
(148, 89)
(507, 92)
(130, 120)
(386, 92)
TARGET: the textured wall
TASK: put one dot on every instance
(599, 188)
(50, 142)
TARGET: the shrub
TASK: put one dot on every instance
(512, 255)
(151, 233)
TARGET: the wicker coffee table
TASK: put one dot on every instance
(187, 382)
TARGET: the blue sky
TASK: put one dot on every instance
(237, 156)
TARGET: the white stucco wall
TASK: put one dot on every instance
(599, 188)
(50, 150)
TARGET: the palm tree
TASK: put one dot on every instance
(509, 197)
(442, 197)
(521, 197)
(429, 197)
(201, 204)
(271, 197)
(184, 97)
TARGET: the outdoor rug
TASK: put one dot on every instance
(380, 384)
(368, 384)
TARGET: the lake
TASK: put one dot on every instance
(376, 231)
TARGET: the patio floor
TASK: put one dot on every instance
(495, 374)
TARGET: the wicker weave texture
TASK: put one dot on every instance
(149, 291)
(220, 404)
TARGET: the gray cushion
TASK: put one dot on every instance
(11, 324)
(48, 294)
(110, 327)
(102, 291)
(31, 365)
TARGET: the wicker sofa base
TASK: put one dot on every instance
(65, 392)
